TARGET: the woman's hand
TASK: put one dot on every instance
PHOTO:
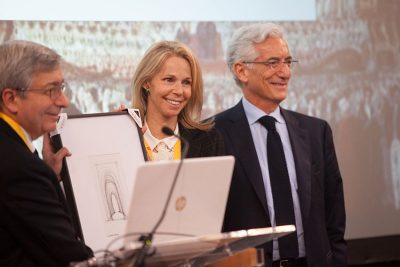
(121, 108)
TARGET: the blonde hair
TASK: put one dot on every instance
(152, 62)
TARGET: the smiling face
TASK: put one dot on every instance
(263, 86)
(169, 91)
(35, 111)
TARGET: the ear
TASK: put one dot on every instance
(146, 85)
(11, 100)
(241, 72)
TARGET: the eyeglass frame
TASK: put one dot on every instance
(271, 61)
(54, 92)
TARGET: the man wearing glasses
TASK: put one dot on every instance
(35, 227)
(286, 171)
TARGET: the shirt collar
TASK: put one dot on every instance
(253, 113)
(152, 141)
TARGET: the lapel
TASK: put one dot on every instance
(4, 127)
(238, 131)
(300, 144)
(9, 132)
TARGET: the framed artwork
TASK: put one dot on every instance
(107, 149)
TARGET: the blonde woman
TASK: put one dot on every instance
(168, 91)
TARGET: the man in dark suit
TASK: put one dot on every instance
(259, 58)
(35, 226)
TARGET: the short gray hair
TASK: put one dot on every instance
(241, 46)
(20, 60)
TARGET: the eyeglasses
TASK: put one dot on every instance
(275, 64)
(53, 91)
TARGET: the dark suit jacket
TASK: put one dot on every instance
(320, 186)
(35, 228)
(203, 143)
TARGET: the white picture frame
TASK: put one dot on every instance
(98, 178)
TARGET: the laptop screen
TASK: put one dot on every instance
(197, 206)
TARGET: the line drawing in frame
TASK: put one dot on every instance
(110, 191)
(96, 149)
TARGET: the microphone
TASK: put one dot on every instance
(147, 239)
(168, 131)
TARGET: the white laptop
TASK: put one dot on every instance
(198, 202)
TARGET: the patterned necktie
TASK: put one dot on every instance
(280, 186)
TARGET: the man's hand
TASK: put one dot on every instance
(53, 159)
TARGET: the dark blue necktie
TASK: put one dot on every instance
(280, 186)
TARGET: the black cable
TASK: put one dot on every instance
(147, 239)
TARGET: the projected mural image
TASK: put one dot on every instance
(348, 75)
